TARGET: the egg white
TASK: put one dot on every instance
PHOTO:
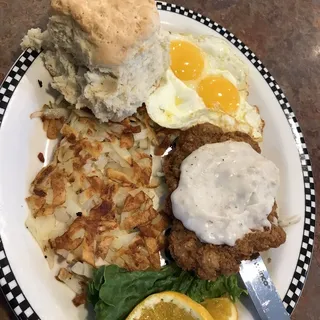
(218, 60)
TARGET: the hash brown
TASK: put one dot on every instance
(98, 201)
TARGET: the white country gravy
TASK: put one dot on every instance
(225, 191)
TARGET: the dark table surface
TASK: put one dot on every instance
(284, 34)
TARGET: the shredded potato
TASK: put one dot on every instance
(97, 203)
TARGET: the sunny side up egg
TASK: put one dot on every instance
(206, 82)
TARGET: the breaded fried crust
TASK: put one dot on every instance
(207, 260)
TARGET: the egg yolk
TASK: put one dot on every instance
(219, 93)
(186, 60)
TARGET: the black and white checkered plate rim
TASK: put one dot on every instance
(9, 284)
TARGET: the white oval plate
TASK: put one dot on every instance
(25, 279)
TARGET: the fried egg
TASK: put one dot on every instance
(206, 82)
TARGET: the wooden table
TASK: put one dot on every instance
(286, 37)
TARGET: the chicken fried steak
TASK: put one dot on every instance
(210, 261)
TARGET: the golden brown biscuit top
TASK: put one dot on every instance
(112, 26)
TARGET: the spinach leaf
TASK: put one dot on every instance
(114, 291)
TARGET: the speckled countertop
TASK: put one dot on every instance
(284, 34)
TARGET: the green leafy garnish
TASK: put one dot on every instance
(114, 291)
